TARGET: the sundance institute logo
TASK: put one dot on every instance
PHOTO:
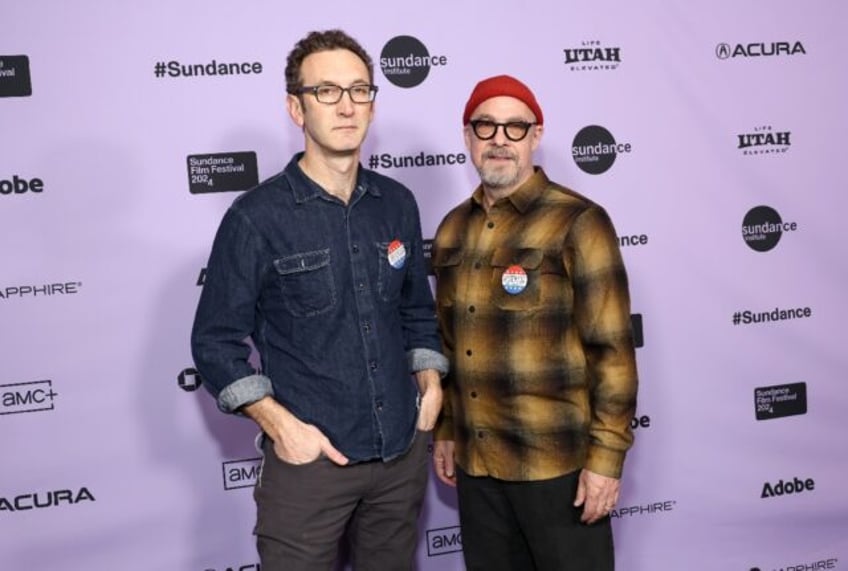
(595, 149)
(763, 227)
(406, 62)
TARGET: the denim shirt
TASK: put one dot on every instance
(336, 299)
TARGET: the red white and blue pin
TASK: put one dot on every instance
(396, 253)
(514, 280)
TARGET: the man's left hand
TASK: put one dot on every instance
(430, 387)
(597, 494)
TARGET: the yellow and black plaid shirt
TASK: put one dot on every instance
(542, 382)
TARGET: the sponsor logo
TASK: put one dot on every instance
(759, 49)
(406, 62)
(747, 316)
(241, 473)
(39, 500)
(22, 291)
(18, 185)
(636, 328)
(422, 159)
(15, 79)
(762, 228)
(594, 149)
(443, 540)
(214, 68)
(818, 565)
(764, 141)
(592, 56)
(34, 396)
(222, 172)
(638, 422)
(644, 510)
(781, 488)
(780, 400)
(189, 380)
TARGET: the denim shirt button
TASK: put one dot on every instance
(355, 249)
(373, 365)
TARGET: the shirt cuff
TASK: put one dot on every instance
(605, 461)
(420, 359)
(244, 391)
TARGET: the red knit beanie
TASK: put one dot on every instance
(497, 86)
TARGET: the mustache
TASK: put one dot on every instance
(499, 153)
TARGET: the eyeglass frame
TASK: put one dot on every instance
(313, 89)
(525, 124)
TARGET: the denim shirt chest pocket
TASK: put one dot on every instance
(306, 280)
(392, 269)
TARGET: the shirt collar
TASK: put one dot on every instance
(305, 189)
(523, 197)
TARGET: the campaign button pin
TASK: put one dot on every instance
(396, 254)
(514, 280)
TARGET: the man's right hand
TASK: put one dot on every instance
(295, 442)
(443, 462)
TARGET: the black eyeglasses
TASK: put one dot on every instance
(330, 94)
(513, 130)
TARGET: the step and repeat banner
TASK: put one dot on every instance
(713, 132)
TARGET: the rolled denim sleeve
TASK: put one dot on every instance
(418, 310)
(225, 316)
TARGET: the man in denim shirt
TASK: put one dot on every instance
(322, 267)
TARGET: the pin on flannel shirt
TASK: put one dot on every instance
(542, 382)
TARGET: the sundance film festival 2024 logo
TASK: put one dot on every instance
(778, 401)
(762, 228)
(15, 78)
(222, 172)
(406, 61)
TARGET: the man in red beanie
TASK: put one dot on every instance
(534, 310)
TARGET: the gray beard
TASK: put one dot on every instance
(498, 179)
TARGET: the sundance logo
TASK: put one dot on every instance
(781, 488)
(14, 76)
(222, 172)
(443, 540)
(406, 61)
(762, 228)
(594, 149)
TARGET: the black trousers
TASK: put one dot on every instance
(526, 526)
(303, 511)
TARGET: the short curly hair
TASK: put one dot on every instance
(321, 42)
